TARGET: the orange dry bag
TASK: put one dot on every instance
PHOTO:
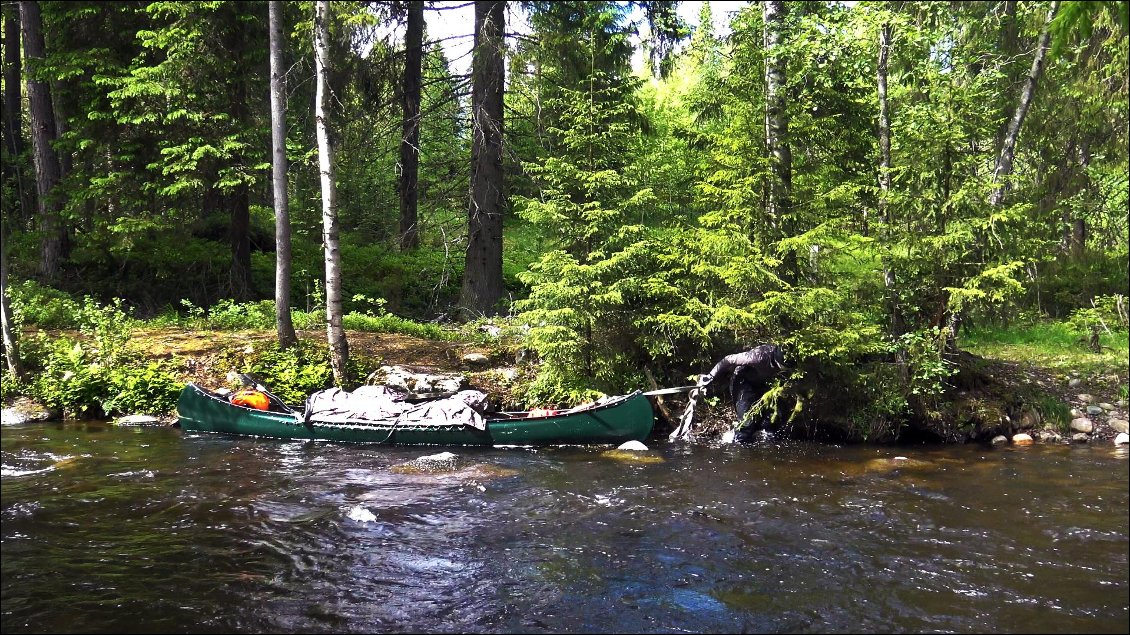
(251, 399)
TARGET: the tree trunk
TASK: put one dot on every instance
(335, 329)
(779, 201)
(14, 143)
(889, 280)
(42, 135)
(283, 323)
(1003, 167)
(410, 139)
(239, 233)
(482, 276)
(238, 200)
(7, 326)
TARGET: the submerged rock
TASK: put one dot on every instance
(630, 456)
(442, 462)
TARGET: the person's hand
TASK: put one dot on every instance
(704, 380)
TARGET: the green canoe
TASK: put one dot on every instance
(625, 418)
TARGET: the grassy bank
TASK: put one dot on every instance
(91, 360)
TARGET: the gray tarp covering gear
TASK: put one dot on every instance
(381, 404)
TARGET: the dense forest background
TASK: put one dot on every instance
(854, 182)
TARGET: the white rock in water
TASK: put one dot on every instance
(1000, 439)
(438, 458)
(1022, 439)
(633, 446)
(728, 436)
(361, 514)
(138, 420)
(1122, 439)
(1080, 437)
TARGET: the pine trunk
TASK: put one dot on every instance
(410, 138)
(239, 200)
(42, 134)
(284, 325)
(482, 277)
(335, 329)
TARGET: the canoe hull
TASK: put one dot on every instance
(628, 419)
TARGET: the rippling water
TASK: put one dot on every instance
(146, 530)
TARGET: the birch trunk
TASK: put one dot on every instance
(889, 279)
(7, 326)
(1003, 167)
(335, 329)
(778, 205)
(283, 322)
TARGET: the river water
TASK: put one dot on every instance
(147, 530)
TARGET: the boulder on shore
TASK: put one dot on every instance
(24, 410)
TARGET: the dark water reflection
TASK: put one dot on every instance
(155, 530)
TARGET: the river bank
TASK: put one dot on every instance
(1007, 395)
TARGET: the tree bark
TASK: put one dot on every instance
(284, 324)
(239, 199)
(43, 133)
(14, 143)
(779, 201)
(239, 235)
(410, 138)
(335, 329)
(482, 276)
(1008, 148)
(7, 325)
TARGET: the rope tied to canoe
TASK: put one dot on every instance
(683, 430)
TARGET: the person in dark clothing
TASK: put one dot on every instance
(747, 375)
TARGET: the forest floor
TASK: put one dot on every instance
(1071, 373)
